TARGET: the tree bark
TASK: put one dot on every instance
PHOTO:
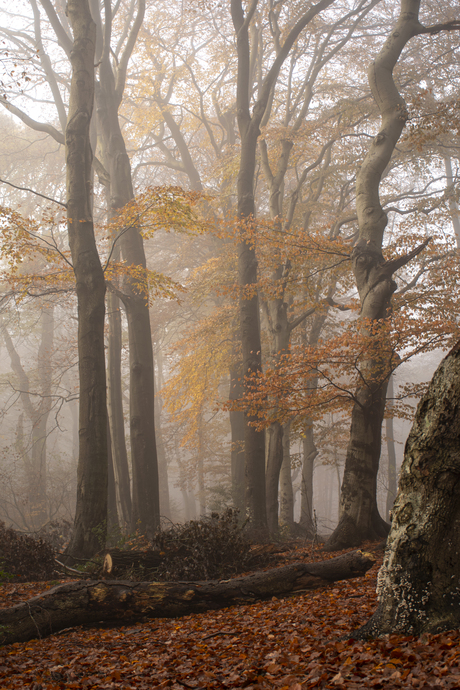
(418, 582)
(91, 508)
(115, 412)
(390, 434)
(36, 466)
(237, 431)
(88, 602)
(249, 129)
(359, 516)
(286, 490)
(145, 483)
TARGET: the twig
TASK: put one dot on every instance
(207, 637)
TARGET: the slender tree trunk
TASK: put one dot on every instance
(390, 434)
(91, 508)
(248, 125)
(37, 414)
(237, 432)
(115, 412)
(286, 491)
(309, 454)
(146, 499)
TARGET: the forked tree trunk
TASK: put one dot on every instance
(88, 602)
(249, 129)
(418, 582)
(91, 508)
(145, 484)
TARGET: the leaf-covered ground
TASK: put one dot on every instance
(285, 644)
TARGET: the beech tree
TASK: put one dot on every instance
(418, 581)
(249, 129)
(91, 508)
(359, 516)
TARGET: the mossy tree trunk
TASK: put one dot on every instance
(418, 582)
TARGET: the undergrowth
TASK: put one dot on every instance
(23, 558)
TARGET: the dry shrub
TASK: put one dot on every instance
(23, 558)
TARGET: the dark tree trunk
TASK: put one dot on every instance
(91, 508)
(86, 602)
(237, 452)
(418, 582)
(359, 517)
(145, 489)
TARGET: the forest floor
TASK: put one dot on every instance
(294, 643)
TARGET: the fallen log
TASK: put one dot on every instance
(117, 562)
(93, 601)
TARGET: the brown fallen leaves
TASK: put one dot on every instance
(288, 644)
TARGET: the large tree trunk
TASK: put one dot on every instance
(418, 582)
(359, 516)
(86, 602)
(91, 508)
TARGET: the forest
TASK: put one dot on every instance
(229, 238)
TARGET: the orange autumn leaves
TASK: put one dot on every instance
(296, 643)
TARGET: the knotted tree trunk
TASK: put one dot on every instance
(418, 582)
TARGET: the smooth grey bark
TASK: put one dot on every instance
(249, 129)
(279, 326)
(308, 464)
(237, 433)
(91, 508)
(391, 451)
(145, 483)
(418, 581)
(119, 454)
(36, 463)
(165, 506)
(286, 500)
(359, 516)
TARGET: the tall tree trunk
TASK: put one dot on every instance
(91, 508)
(249, 129)
(390, 434)
(418, 581)
(145, 498)
(115, 412)
(309, 452)
(237, 433)
(359, 516)
(286, 490)
(37, 414)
